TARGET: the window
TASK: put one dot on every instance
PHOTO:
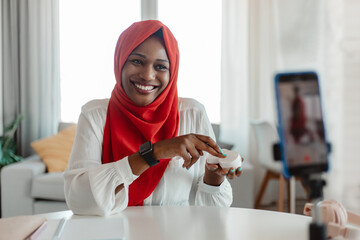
(88, 34)
(89, 30)
(197, 27)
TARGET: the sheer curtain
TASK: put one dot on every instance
(235, 75)
(292, 35)
(342, 78)
(30, 67)
(249, 61)
(263, 64)
(299, 39)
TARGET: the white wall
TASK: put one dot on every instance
(350, 46)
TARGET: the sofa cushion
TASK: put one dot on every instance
(55, 151)
(48, 186)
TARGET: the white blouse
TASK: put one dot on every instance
(90, 185)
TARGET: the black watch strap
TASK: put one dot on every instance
(146, 151)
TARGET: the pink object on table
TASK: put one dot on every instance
(336, 217)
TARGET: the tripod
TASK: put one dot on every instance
(317, 228)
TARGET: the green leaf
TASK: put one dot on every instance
(8, 144)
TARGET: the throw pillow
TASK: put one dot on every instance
(55, 151)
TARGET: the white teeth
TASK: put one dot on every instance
(145, 88)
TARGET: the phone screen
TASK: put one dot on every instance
(301, 126)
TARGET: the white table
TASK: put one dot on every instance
(205, 223)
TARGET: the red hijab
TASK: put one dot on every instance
(128, 125)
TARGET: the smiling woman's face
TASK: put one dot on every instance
(146, 72)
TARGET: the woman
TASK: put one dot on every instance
(144, 146)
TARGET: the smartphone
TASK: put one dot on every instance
(304, 149)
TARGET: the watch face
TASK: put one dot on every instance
(145, 151)
(145, 148)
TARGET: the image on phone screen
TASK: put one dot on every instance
(301, 125)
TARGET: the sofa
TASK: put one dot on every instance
(28, 188)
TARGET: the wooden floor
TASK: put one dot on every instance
(298, 209)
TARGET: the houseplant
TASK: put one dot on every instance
(8, 144)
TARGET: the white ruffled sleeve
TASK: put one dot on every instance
(89, 184)
(208, 195)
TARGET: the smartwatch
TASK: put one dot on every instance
(146, 151)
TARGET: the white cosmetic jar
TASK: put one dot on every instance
(232, 160)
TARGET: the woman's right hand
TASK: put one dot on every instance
(190, 147)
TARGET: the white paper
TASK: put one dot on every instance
(87, 229)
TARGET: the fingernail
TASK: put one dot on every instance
(239, 169)
(232, 170)
(224, 154)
